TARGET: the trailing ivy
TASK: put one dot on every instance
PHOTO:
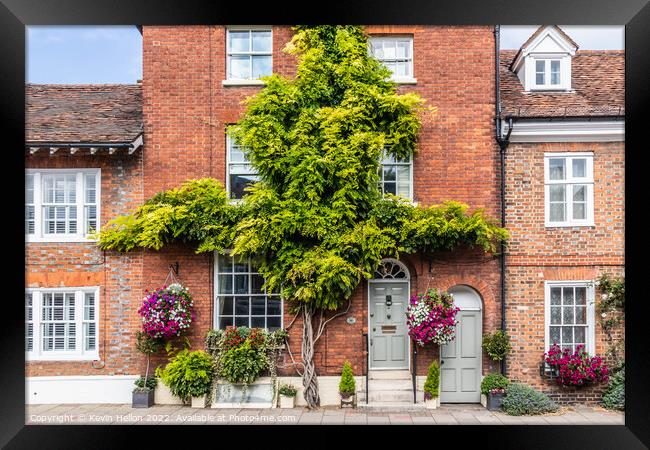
(611, 312)
(316, 220)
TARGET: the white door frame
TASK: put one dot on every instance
(408, 338)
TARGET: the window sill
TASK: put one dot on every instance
(61, 239)
(243, 82)
(569, 225)
(62, 357)
(405, 80)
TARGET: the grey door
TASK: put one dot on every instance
(460, 361)
(387, 333)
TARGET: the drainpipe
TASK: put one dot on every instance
(503, 145)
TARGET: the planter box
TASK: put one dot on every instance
(164, 395)
(142, 399)
(259, 394)
(432, 403)
(484, 400)
(494, 401)
(287, 402)
(199, 402)
(349, 400)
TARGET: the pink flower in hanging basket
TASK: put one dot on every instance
(166, 312)
(431, 317)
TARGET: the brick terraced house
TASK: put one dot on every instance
(94, 152)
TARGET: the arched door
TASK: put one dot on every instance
(388, 297)
(460, 360)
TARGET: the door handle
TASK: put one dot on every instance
(370, 341)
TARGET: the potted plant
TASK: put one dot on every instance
(577, 368)
(143, 394)
(189, 376)
(287, 396)
(493, 389)
(431, 387)
(347, 386)
(497, 345)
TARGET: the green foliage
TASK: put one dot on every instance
(151, 383)
(611, 312)
(347, 385)
(188, 374)
(497, 344)
(287, 390)
(316, 218)
(493, 381)
(522, 399)
(146, 344)
(614, 394)
(241, 354)
(432, 383)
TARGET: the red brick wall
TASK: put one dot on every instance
(83, 264)
(537, 254)
(457, 157)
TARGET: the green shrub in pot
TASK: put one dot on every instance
(189, 374)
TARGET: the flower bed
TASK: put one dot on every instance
(431, 317)
(166, 312)
(575, 369)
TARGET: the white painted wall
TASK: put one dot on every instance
(79, 389)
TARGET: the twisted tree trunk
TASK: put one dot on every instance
(309, 380)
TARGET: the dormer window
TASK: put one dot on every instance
(543, 63)
(548, 73)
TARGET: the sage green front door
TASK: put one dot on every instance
(388, 338)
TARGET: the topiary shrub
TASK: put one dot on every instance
(188, 374)
(432, 383)
(614, 395)
(494, 381)
(522, 399)
(497, 345)
(347, 385)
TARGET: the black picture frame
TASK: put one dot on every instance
(634, 14)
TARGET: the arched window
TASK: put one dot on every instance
(391, 268)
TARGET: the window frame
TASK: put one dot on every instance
(229, 163)
(79, 354)
(80, 202)
(410, 79)
(216, 272)
(569, 181)
(590, 333)
(564, 72)
(246, 81)
(410, 165)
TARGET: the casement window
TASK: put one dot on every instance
(396, 176)
(240, 299)
(569, 315)
(249, 53)
(61, 323)
(240, 171)
(61, 205)
(396, 53)
(569, 189)
(548, 72)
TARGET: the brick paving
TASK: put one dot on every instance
(184, 415)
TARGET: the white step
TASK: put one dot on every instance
(389, 375)
(390, 385)
(390, 396)
(391, 406)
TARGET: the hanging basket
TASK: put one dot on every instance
(431, 317)
(167, 311)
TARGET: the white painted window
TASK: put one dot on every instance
(396, 53)
(569, 189)
(396, 176)
(240, 299)
(61, 323)
(61, 205)
(548, 74)
(569, 315)
(240, 171)
(249, 53)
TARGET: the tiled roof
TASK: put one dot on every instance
(89, 113)
(597, 88)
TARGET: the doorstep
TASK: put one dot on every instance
(391, 406)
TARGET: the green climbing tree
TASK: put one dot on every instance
(316, 220)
